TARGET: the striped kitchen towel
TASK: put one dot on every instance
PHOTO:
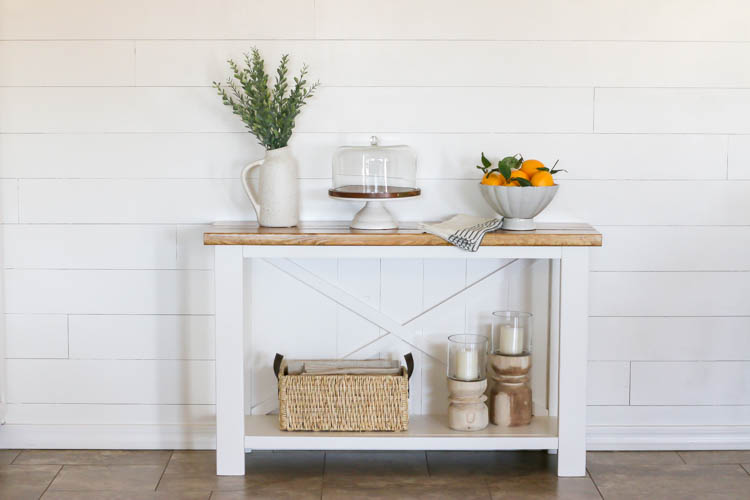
(464, 231)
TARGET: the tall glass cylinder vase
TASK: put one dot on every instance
(510, 394)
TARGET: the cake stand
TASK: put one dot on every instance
(374, 215)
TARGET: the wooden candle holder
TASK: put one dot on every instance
(510, 397)
(467, 411)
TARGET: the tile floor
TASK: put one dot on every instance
(189, 475)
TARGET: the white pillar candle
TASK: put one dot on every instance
(511, 340)
(467, 364)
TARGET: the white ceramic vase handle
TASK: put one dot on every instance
(245, 177)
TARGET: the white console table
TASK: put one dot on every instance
(563, 430)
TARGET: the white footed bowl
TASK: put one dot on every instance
(517, 204)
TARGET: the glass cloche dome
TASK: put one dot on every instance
(374, 174)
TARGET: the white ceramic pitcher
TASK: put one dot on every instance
(276, 202)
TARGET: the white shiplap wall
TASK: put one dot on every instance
(114, 151)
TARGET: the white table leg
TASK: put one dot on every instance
(574, 319)
(230, 396)
(554, 341)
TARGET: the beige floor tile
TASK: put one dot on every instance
(422, 488)
(285, 464)
(94, 457)
(294, 489)
(193, 462)
(516, 475)
(197, 470)
(7, 456)
(486, 464)
(186, 460)
(204, 481)
(541, 484)
(108, 478)
(633, 458)
(685, 482)
(372, 475)
(125, 495)
(716, 457)
(195, 457)
(239, 484)
(376, 464)
(19, 482)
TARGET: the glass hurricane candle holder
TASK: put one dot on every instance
(467, 382)
(511, 333)
(467, 357)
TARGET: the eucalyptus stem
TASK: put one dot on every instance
(268, 112)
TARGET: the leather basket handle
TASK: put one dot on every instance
(409, 364)
(277, 364)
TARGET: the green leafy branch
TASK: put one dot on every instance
(508, 164)
(269, 113)
(486, 164)
(504, 166)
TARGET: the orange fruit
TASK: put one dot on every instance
(530, 167)
(542, 178)
(517, 174)
(493, 179)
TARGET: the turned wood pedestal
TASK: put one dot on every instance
(467, 411)
(510, 396)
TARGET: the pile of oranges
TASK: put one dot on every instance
(515, 171)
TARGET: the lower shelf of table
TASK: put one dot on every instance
(426, 432)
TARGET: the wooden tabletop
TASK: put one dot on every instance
(409, 234)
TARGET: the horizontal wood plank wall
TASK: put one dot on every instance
(114, 151)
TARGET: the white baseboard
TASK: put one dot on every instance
(127, 437)
(203, 437)
(706, 437)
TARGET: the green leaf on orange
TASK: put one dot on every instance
(506, 165)
(522, 181)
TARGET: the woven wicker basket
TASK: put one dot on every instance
(343, 402)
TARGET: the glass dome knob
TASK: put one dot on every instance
(373, 140)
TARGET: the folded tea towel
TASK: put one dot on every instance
(464, 231)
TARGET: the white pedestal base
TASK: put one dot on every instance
(374, 215)
(510, 224)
